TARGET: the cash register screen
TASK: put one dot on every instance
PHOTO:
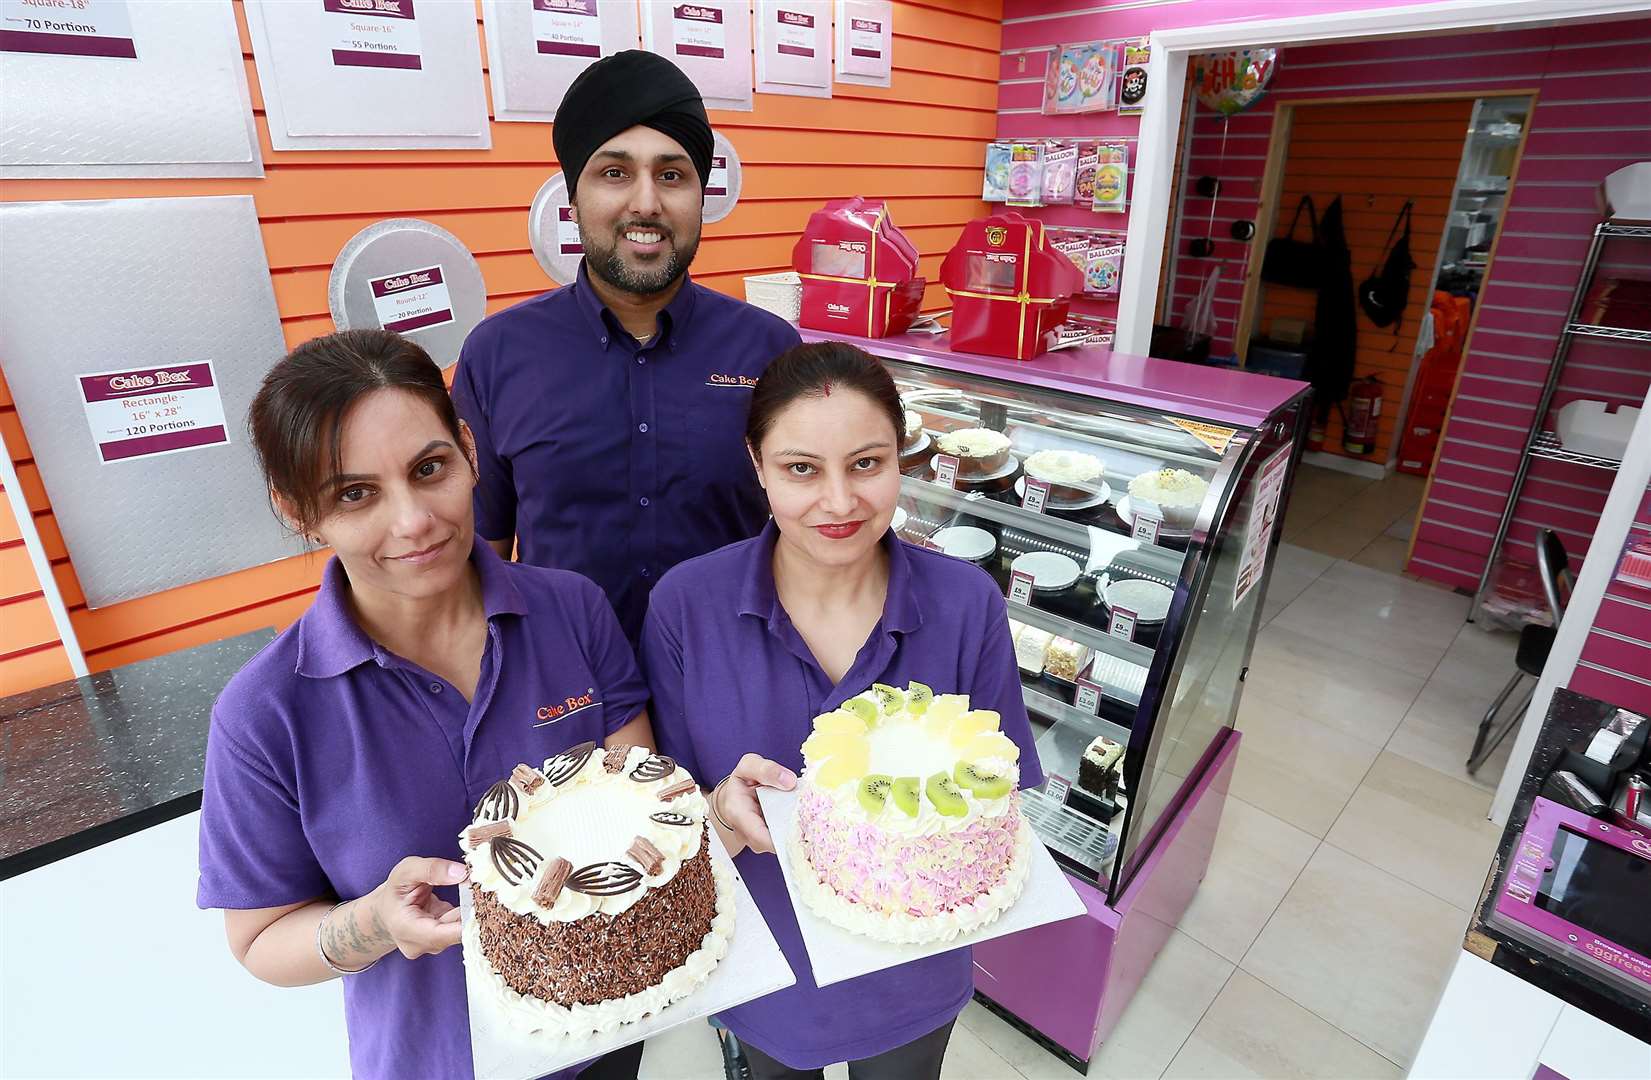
(1599, 888)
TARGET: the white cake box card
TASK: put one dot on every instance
(838, 955)
(752, 968)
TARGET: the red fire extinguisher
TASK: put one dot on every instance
(1360, 421)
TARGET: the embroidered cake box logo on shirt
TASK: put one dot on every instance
(736, 381)
(549, 714)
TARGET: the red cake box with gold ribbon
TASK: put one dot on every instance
(1009, 286)
(859, 271)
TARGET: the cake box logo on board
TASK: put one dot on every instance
(561, 710)
(996, 235)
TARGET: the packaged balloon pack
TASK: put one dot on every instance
(1109, 192)
(1133, 58)
(1060, 173)
(1079, 79)
(1026, 174)
(859, 271)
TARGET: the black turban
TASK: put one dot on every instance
(620, 92)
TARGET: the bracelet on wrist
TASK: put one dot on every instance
(716, 810)
(322, 952)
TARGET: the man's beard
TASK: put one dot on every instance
(607, 264)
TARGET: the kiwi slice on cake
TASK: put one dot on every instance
(890, 698)
(864, 708)
(984, 784)
(945, 796)
(908, 795)
(874, 792)
(918, 697)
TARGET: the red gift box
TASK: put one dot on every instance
(859, 271)
(1009, 287)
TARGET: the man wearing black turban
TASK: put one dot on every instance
(609, 415)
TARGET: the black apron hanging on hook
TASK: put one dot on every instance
(1335, 315)
(1292, 262)
(1384, 294)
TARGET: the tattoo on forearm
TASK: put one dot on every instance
(344, 942)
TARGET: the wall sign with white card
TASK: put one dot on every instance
(146, 412)
(794, 47)
(373, 33)
(413, 300)
(710, 42)
(567, 28)
(411, 277)
(536, 48)
(100, 28)
(865, 41)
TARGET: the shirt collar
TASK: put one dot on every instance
(607, 329)
(902, 613)
(331, 642)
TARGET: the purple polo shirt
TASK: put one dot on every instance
(330, 759)
(731, 675)
(610, 457)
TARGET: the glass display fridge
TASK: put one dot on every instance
(1130, 509)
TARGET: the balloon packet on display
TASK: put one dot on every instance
(1134, 56)
(996, 187)
(1080, 79)
(1075, 248)
(1026, 174)
(1083, 192)
(1105, 269)
(1060, 169)
(1111, 179)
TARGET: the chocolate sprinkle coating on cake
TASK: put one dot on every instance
(600, 957)
(605, 879)
(512, 858)
(656, 767)
(500, 802)
(671, 817)
(566, 765)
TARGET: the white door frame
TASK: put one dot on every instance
(1151, 199)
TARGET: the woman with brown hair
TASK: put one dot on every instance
(344, 759)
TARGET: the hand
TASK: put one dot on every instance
(406, 913)
(737, 799)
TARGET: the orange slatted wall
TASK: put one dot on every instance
(918, 143)
(1375, 156)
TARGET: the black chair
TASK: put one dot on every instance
(1535, 641)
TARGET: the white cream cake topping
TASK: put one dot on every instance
(973, 442)
(1064, 466)
(1169, 487)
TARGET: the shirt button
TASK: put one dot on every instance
(643, 500)
(646, 572)
(604, 341)
(642, 359)
(643, 428)
(435, 688)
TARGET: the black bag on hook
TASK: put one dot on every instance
(1297, 263)
(1384, 294)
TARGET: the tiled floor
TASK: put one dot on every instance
(1352, 846)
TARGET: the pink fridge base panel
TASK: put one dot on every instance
(1071, 980)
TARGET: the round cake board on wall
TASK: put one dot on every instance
(554, 235)
(412, 277)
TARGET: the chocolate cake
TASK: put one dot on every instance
(595, 900)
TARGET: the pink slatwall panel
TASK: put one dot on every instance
(1616, 659)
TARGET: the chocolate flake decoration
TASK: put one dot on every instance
(614, 759)
(512, 858)
(566, 765)
(551, 882)
(656, 767)
(645, 855)
(480, 834)
(499, 803)
(676, 790)
(528, 777)
(671, 817)
(605, 879)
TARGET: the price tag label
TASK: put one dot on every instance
(1089, 697)
(1020, 587)
(1123, 624)
(945, 470)
(1037, 495)
(994, 415)
(1148, 518)
(1056, 787)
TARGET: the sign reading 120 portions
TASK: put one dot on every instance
(145, 412)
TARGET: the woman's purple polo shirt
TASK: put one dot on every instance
(330, 759)
(731, 675)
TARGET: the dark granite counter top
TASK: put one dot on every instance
(1571, 716)
(91, 760)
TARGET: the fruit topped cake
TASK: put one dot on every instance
(596, 901)
(908, 821)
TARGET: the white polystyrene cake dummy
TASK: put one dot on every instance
(837, 955)
(965, 542)
(753, 967)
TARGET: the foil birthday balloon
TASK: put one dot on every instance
(1230, 82)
